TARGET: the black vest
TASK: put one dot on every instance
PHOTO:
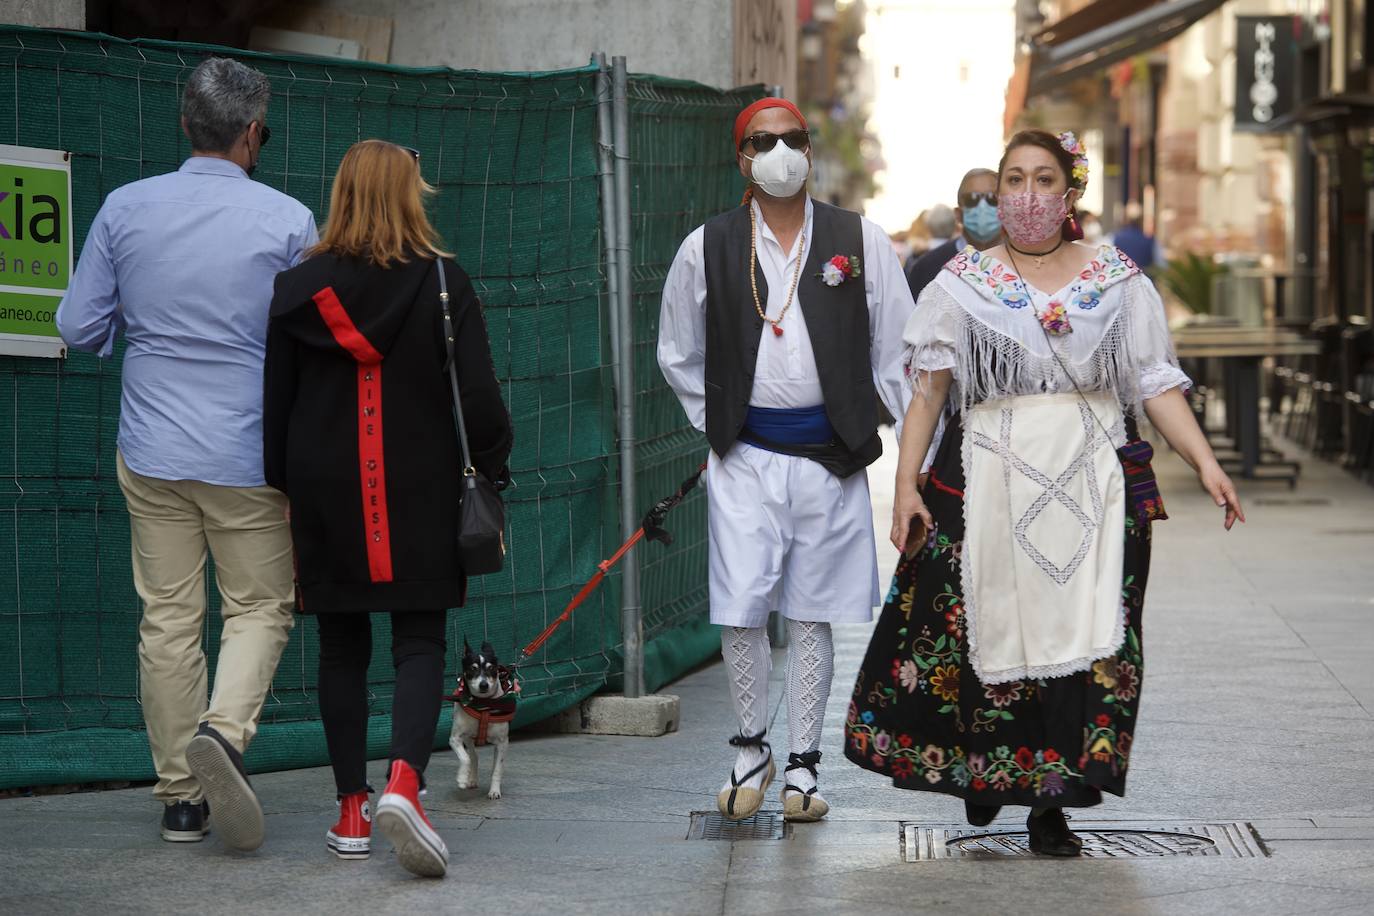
(836, 319)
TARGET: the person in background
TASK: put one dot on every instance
(980, 229)
(1139, 245)
(943, 226)
(918, 237)
(181, 265)
(1092, 228)
(902, 245)
(976, 224)
(359, 433)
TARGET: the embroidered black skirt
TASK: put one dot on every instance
(920, 716)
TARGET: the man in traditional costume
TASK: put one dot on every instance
(780, 331)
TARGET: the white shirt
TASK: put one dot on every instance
(785, 374)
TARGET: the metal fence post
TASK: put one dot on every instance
(631, 616)
(605, 145)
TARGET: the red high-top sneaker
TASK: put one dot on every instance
(351, 837)
(400, 817)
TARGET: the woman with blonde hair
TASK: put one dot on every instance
(359, 434)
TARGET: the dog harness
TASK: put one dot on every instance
(496, 709)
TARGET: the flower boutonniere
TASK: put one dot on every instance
(1055, 319)
(838, 269)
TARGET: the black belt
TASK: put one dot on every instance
(834, 455)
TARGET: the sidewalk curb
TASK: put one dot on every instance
(647, 717)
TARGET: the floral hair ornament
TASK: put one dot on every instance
(838, 269)
(1074, 147)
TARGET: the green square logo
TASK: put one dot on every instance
(35, 240)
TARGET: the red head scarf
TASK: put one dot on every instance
(747, 115)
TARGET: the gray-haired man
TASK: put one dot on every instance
(182, 265)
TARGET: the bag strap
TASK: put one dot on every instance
(451, 347)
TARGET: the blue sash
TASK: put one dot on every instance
(787, 426)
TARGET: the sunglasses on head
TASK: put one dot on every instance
(973, 198)
(763, 141)
(414, 153)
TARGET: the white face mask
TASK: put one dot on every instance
(780, 172)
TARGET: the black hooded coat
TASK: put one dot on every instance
(358, 429)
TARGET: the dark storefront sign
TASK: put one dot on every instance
(1265, 56)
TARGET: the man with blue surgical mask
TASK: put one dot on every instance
(979, 227)
(781, 329)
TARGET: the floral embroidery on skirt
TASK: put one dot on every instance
(920, 716)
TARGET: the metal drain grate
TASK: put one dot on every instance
(1101, 840)
(710, 825)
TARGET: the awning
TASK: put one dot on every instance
(1330, 114)
(1104, 33)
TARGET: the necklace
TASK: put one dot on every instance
(753, 280)
(1039, 256)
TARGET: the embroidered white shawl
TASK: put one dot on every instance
(977, 319)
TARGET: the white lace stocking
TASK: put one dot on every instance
(810, 668)
(748, 660)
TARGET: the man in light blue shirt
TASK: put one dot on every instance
(182, 265)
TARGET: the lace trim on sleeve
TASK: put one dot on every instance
(930, 335)
(1159, 378)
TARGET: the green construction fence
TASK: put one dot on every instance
(514, 157)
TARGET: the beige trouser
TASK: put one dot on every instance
(173, 522)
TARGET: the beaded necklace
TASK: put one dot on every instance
(753, 280)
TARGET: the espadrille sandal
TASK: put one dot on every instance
(740, 801)
(803, 807)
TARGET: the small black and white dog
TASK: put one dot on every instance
(483, 707)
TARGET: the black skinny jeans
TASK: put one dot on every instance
(417, 651)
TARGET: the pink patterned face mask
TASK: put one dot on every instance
(1031, 218)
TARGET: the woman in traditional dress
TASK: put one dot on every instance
(1006, 666)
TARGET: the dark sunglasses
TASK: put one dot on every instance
(763, 141)
(264, 134)
(970, 199)
(414, 153)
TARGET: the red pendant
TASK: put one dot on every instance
(777, 331)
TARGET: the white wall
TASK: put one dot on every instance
(50, 14)
(940, 114)
(688, 39)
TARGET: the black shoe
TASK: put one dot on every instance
(980, 815)
(184, 822)
(1050, 835)
(218, 767)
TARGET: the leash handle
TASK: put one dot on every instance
(651, 529)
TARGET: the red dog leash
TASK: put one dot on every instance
(652, 528)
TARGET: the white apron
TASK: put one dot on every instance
(1044, 516)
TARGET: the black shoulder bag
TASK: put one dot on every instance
(481, 514)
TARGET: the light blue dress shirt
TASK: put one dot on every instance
(182, 265)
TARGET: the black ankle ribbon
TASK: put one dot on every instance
(742, 740)
(808, 761)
